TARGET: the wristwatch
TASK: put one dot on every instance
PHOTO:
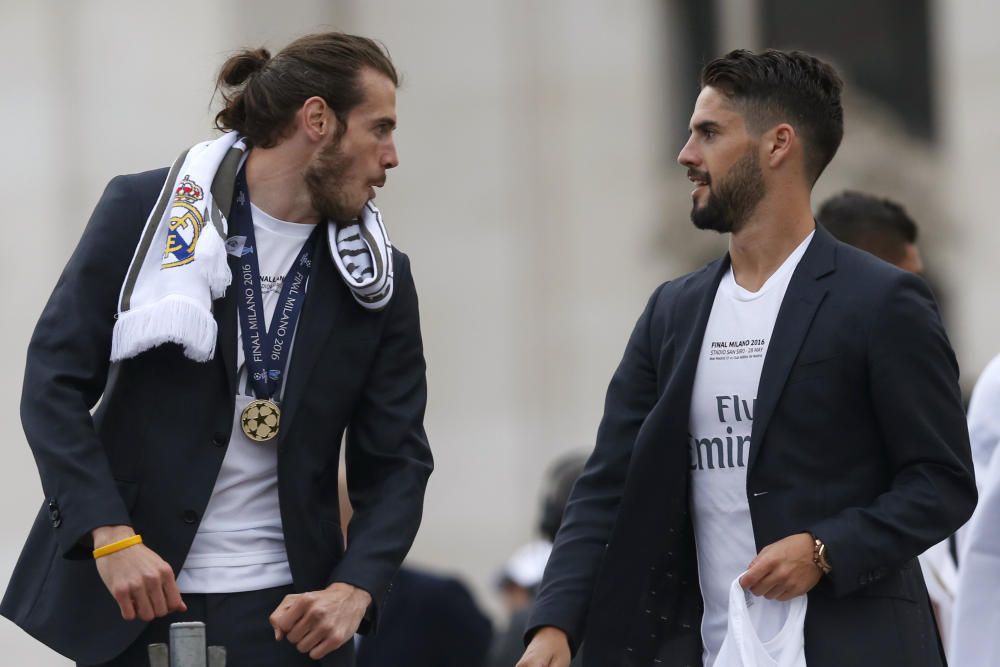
(819, 556)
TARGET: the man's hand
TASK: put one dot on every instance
(321, 621)
(783, 570)
(141, 582)
(548, 648)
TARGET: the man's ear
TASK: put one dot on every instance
(779, 141)
(316, 119)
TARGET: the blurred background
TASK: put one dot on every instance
(538, 194)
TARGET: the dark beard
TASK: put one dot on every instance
(730, 205)
(324, 177)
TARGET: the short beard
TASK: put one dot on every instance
(730, 205)
(324, 179)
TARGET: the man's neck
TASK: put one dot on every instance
(766, 240)
(277, 187)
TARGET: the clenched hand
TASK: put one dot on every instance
(141, 582)
(320, 621)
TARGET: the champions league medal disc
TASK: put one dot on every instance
(260, 420)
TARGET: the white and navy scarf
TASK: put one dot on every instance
(180, 267)
(363, 255)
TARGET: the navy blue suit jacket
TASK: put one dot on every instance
(150, 453)
(859, 437)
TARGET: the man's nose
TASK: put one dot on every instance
(688, 157)
(390, 158)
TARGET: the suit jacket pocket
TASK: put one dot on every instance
(899, 585)
(811, 369)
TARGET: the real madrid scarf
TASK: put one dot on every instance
(179, 266)
(363, 256)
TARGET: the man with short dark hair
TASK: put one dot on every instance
(876, 225)
(234, 316)
(786, 420)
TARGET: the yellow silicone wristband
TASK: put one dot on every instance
(118, 546)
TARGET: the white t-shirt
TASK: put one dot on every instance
(240, 545)
(723, 404)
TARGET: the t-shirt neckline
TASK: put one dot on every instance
(264, 220)
(778, 277)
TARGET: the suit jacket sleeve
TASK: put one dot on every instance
(388, 457)
(564, 596)
(66, 369)
(913, 383)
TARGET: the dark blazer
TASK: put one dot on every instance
(859, 437)
(150, 454)
(428, 620)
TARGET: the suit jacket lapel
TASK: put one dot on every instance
(324, 300)
(225, 319)
(802, 299)
(686, 326)
(225, 308)
(690, 319)
(668, 421)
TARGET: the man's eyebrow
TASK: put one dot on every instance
(385, 120)
(706, 126)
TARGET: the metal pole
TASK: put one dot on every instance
(159, 656)
(216, 656)
(187, 649)
(187, 644)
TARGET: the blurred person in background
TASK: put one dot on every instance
(787, 420)
(975, 627)
(883, 228)
(204, 486)
(876, 225)
(427, 619)
(521, 574)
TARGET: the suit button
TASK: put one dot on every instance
(219, 440)
(55, 516)
(189, 516)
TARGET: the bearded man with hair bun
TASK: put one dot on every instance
(234, 316)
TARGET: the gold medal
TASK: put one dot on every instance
(260, 420)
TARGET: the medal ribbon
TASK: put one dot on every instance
(265, 350)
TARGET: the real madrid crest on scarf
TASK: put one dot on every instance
(266, 349)
(186, 223)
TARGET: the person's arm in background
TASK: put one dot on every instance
(974, 640)
(984, 417)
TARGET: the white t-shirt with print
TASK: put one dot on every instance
(723, 405)
(240, 545)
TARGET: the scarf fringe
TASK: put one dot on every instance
(172, 319)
